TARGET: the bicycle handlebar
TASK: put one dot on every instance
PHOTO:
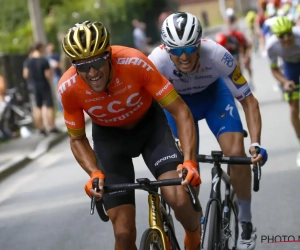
(217, 157)
(143, 184)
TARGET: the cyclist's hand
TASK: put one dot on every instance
(192, 176)
(89, 185)
(289, 86)
(259, 154)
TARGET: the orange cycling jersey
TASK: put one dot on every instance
(135, 82)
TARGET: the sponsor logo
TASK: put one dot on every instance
(204, 69)
(222, 128)
(230, 109)
(134, 61)
(240, 97)
(117, 107)
(247, 92)
(95, 99)
(223, 115)
(179, 20)
(228, 59)
(203, 77)
(215, 182)
(237, 78)
(70, 123)
(120, 91)
(173, 156)
(163, 89)
(88, 92)
(117, 83)
(62, 88)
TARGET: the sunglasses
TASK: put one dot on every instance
(286, 34)
(96, 63)
(187, 50)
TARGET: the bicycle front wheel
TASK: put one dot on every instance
(151, 240)
(231, 231)
(214, 229)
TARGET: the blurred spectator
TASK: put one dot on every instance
(4, 133)
(231, 19)
(162, 17)
(38, 71)
(139, 37)
(54, 62)
(28, 82)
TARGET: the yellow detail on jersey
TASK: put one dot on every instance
(76, 132)
(237, 77)
(274, 65)
(168, 98)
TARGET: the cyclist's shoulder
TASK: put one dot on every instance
(69, 81)
(126, 59)
(208, 48)
(159, 56)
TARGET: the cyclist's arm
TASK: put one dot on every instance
(80, 146)
(162, 91)
(273, 58)
(278, 75)
(185, 127)
(83, 153)
(253, 117)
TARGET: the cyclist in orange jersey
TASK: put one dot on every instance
(123, 93)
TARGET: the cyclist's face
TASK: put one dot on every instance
(94, 72)
(185, 63)
(287, 40)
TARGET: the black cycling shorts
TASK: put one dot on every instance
(43, 96)
(114, 149)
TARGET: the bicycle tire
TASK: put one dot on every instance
(151, 240)
(231, 243)
(214, 229)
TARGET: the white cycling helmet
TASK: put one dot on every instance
(181, 29)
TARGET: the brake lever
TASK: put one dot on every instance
(192, 193)
(93, 200)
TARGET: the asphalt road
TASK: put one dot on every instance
(44, 206)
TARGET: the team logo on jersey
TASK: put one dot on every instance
(237, 78)
(228, 59)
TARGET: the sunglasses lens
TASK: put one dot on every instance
(190, 50)
(85, 67)
(176, 52)
(187, 50)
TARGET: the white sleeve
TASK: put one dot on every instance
(231, 73)
(270, 51)
(157, 57)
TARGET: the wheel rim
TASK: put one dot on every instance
(154, 241)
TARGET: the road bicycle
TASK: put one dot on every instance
(161, 233)
(220, 223)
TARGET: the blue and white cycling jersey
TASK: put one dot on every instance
(290, 57)
(209, 89)
(215, 62)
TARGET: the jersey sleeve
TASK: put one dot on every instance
(73, 114)
(157, 58)
(271, 52)
(231, 73)
(155, 83)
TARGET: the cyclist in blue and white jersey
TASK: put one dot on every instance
(206, 77)
(285, 44)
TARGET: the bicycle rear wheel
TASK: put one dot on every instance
(212, 240)
(151, 240)
(232, 231)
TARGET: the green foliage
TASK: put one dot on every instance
(16, 29)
